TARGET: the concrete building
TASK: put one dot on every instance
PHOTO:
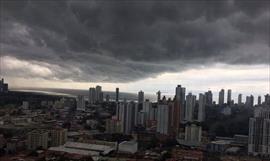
(3, 86)
(128, 116)
(163, 119)
(57, 137)
(158, 96)
(221, 97)
(193, 134)
(259, 132)
(239, 99)
(37, 139)
(190, 106)
(92, 96)
(117, 94)
(80, 103)
(107, 98)
(229, 97)
(267, 99)
(180, 104)
(259, 100)
(99, 94)
(249, 101)
(209, 97)
(201, 111)
(140, 97)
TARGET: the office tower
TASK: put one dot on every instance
(179, 104)
(209, 97)
(163, 119)
(249, 101)
(99, 94)
(201, 111)
(229, 97)
(267, 99)
(193, 134)
(259, 100)
(190, 106)
(36, 139)
(239, 99)
(221, 97)
(58, 136)
(3, 86)
(107, 98)
(92, 96)
(140, 97)
(158, 96)
(117, 94)
(80, 103)
(259, 132)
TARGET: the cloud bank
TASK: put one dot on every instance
(126, 41)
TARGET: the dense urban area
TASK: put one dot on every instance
(36, 126)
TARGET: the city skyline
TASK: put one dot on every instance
(140, 45)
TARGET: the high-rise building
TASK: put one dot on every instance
(140, 97)
(259, 132)
(239, 99)
(36, 139)
(193, 134)
(58, 136)
(128, 116)
(179, 104)
(163, 119)
(92, 96)
(249, 101)
(267, 99)
(80, 103)
(117, 94)
(158, 96)
(209, 97)
(99, 94)
(3, 86)
(190, 106)
(221, 97)
(201, 111)
(259, 100)
(147, 106)
(229, 97)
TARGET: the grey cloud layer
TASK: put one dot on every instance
(123, 41)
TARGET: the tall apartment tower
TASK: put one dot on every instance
(259, 100)
(99, 94)
(36, 139)
(259, 132)
(92, 96)
(229, 97)
(117, 94)
(201, 111)
(249, 101)
(209, 97)
(190, 106)
(180, 103)
(239, 99)
(80, 103)
(158, 96)
(221, 97)
(140, 97)
(267, 99)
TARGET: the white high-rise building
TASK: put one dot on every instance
(229, 97)
(180, 103)
(201, 111)
(128, 115)
(163, 119)
(239, 99)
(147, 105)
(92, 96)
(80, 103)
(190, 106)
(259, 132)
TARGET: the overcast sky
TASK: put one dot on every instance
(148, 45)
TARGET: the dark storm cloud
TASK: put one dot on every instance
(124, 41)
